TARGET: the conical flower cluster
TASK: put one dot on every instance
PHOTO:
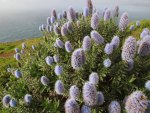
(107, 15)
(71, 106)
(123, 22)
(74, 92)
(77, 58)
(129, 49)
(89, 5)
(96, 37)
(59, 87)
(144, 46)
(114, 107)
(86, 43)
(136, 103)
(71, 14)
(89, 94)
(94, 78)
(95, 21)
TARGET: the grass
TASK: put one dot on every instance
(7, 50)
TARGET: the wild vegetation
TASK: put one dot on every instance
(85, 63)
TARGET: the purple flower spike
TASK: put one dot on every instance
(49, 20)
(107, 15)
(59, 43)
(64, 30)
(98, 39)
(94, 21)
(58, 70)
(86, 43)
(124, 20)
(68, 46)
(71, 14)
(77, 59)
(86, 12)
(49, 60)
(53, 13)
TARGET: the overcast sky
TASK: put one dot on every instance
(19, 5)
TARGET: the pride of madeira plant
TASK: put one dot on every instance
(86, 63)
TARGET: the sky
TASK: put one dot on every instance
(20, 5)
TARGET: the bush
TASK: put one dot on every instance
(104, 51)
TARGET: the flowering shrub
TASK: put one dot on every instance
(85, 63)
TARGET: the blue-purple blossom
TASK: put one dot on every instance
(136, 102)
(114, 107)
(58, 70)
(56, 58)
(100, 98)
(18, 74)
(18, 57)
(94, 78)
(59, 87)
(44, 80)
(52, 19)
(59, 16)
(104, 11)
(107, 63)
(71, 106)
(33, 47)
(144, 33)
(115, 42)
(89, 94)
(77, 59)
(124, 20)
(64, 14)
(85, 109)
(98, 39)
(16, 50)
(86, 45)
(13, 103)
(6, 100)
(48, 28)
(48, 20)
(59, 43)
(40, 28)
(89, 5)
(69, 26)
(49, 60)
(129, 49)
(132, 27)
(43, 27)
(74, 92)
(23, 45)
(116, 11)
(57, 30)
(107, 15)
(64, 30)
(22, 51)
(53, 13)
(108, 49)
(86, 12)
(95, 21)
(144, 46)
(28, 99)
(71, 14)
(138, 23)
(147, 85)
(68, 46)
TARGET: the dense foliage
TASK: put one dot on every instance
(85, 61)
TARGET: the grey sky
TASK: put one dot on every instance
(19, 5)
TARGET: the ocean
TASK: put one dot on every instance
(25, 24)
